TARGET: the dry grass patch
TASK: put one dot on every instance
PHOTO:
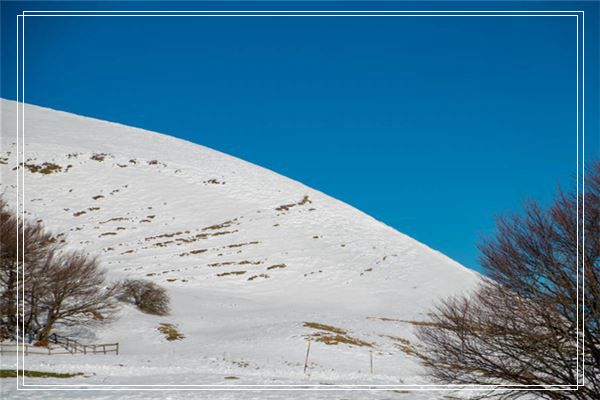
(189, 253)
(216, 227)
(253, 277)
(242, 244)
(248, 262)
(12, 373)
(277, 266)
(323, 327)
(222, 264)
(114, 219)
(107, 234)
(286, 207)
(332, 335)
(223, 233)
(170, 331)
(337, 339)
(44, 168)
(232, 273)
(412, 322)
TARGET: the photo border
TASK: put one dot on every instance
(311, 13)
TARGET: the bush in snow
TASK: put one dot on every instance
(147, 296)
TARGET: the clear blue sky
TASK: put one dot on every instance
(432, 125)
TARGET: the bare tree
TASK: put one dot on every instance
(74, 292)
(36, 243)
(145, 295)
(521, 326)
(56, 286)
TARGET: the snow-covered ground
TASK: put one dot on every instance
(252, 260)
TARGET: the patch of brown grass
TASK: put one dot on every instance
(324, 327)
(242, 244)
(248, 262)
(44, 168)
(170, 331)
(287, 207)
(333, 340)
(423, 323)
(253, 277)
(189, 253)
(222, 264)
(276, 266)
(114, 219)
(332, 335)
(165, 235)
(218, 226)
(223, 233)
(232, 273)
(305, 200)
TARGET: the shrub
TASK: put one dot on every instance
(145, 295)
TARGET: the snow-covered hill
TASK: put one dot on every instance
(255, 263)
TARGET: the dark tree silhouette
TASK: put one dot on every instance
(36, 244)
(55, 286)
(520, 327)
(73, 292)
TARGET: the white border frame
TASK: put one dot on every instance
(306, 13)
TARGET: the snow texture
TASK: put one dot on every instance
(248, 257)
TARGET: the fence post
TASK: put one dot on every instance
(306, 358)
(104, 348)
(84, 351)
(26, 349)
(117, 348)
(371, 356)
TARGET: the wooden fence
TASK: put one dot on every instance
(73, 346)
(60, 345)
(28, 349)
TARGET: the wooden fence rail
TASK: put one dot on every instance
(60, 345)
(28, 349)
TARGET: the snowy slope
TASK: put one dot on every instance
(248, 257)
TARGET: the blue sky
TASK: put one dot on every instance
(432, 125)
